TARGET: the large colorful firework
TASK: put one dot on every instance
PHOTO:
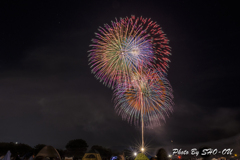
(132, 56)
(126, 47)
(148, 99)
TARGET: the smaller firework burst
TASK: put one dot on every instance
(147, 100)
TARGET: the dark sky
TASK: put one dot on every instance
(48, 94)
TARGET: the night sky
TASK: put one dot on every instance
(49, 96)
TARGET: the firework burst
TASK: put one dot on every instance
(128, 46)
(119, 51)
(150, 96)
